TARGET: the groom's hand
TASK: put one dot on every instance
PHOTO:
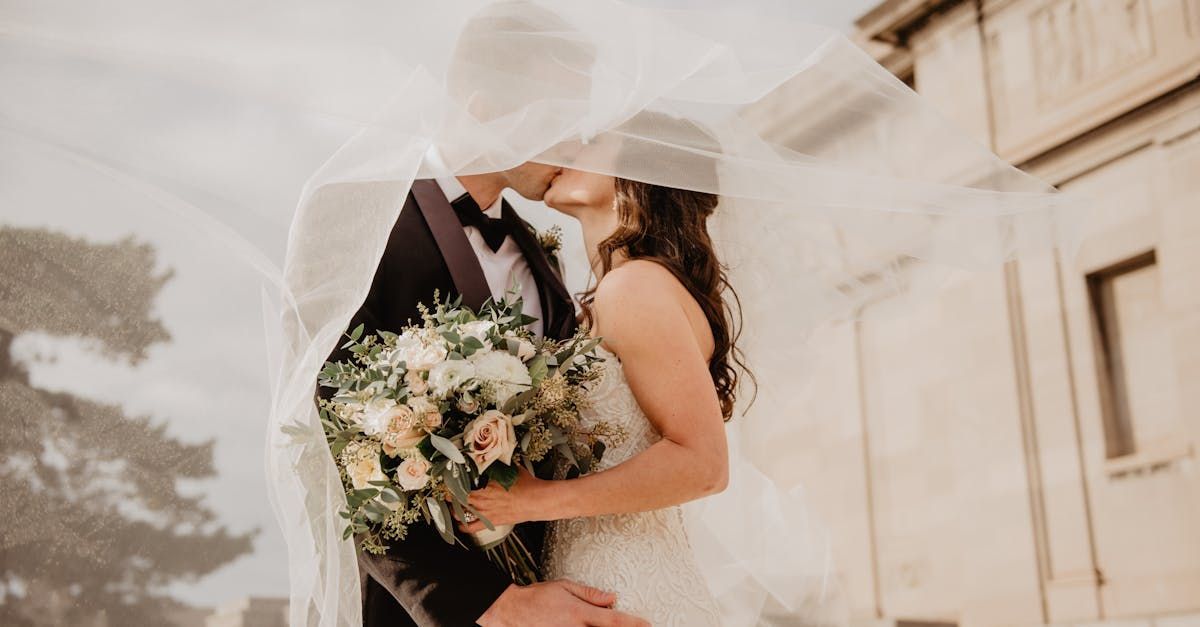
(558, 604)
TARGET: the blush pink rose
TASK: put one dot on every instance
(489, 438)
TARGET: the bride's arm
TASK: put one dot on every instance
(640, 311)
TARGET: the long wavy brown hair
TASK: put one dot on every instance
(669, 226)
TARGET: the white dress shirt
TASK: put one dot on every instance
(504, 268)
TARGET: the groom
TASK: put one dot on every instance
(460, 237)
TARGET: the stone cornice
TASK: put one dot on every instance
(893, 20)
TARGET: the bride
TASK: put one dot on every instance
(661, 306)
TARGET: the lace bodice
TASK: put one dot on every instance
(644, 558)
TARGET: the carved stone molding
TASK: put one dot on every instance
(1077, 43)
(1057, 68)
(1191, 11)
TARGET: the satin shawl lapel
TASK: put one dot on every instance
(557, 307)
(452, 241)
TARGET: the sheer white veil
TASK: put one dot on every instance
(309, 122)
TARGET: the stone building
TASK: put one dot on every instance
(1022, 450)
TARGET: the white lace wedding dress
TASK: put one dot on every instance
(644, 558)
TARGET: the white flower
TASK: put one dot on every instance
(479, 330)
(489, 438)
(413, 473)
(417, 353)
(350, 412)
(447, 376)
(377, 415)
(504, 374)
(362, 465)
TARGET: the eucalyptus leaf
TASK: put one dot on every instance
(440, 513)
(503, 474)
(538, 369)
(447, 448)
(567, 453)
(455, 481)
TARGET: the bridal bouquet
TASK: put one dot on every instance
(421, 418)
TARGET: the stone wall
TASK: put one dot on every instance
(1022, 450)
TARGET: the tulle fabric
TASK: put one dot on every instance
(306, 122)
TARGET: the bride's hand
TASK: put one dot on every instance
(519, 504)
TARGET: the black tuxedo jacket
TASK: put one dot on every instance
(423, 580)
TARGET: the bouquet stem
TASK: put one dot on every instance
(511, 555)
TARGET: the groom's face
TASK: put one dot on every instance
(531, 180)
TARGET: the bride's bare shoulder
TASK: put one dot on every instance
(638, 281)
(640, 298)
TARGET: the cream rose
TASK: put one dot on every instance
(402, 432)
(377, 415)
(468, 404)
(415, 382)
(489, 438)
(363, 467)
(413, 473)
(427, 411)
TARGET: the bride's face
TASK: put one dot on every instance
(577, 190)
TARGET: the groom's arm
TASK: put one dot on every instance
(438, 584)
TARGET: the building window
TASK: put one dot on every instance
(1131, 337)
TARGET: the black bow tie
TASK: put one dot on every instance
(494, 230)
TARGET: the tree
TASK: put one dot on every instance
(94, 524)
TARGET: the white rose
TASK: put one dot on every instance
(413, 473)
(505, 374)
(363, 467)
(377, 415)
(446, 376)
(415, 382)
(489, 438)
(479, 330)
(416, 352)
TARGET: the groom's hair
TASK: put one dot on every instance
(510, 55)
